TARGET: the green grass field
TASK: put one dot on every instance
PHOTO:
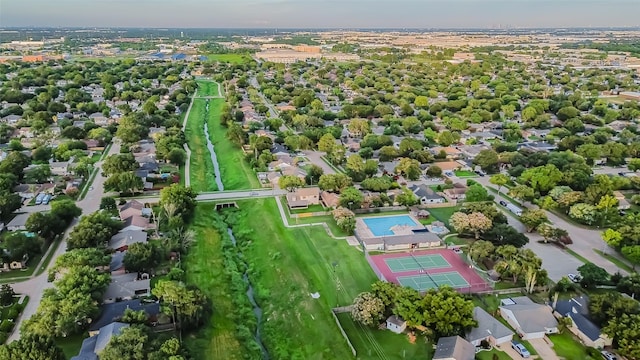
(567, 347)
(71, 344)
(230, 58)
(207, 88)
(204, 268)
(390, 345)
(236, 172)
(444, 213)
(201, 167)
(464, 173)
(489, 355)
(287, 265)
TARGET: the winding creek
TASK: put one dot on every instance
(256, 308)
(214, 159)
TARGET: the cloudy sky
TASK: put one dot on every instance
(320, 13)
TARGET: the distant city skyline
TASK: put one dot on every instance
(320, 13)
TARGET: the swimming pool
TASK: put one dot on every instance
(381, 226)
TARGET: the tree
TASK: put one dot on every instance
(185, 303)
(132, 343)
(183, 199)
(367, 309)
(326, 143)
(634, 164)
(355, 167)
(434, 171)
(488, 160)
(475, 223)
(409, 168)
(9, 202)
(447, 312)
(632, 253)
(108, 203)
(584, 213)
(542, 178)
(290, 182)
(92, 257)
(481, 250)
(531, 218)
(476, 193)
(32, 347)
(626, 332)
(93, 230)
(359, 127)
(406, 197)
(119, 163)
(446, 138)
(141, 257)
(500, 180)
(388, 153)
(18, 245)
(568, 199)
(592, 275)
(351, 198)
(345, 219)
(503, 234)
(177, 156)
(6, 295)
(124, 183)
(334, 182)
(313, 174)
(612, 237)
(522, 193)
(607, 205)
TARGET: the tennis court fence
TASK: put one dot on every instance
(483, 273)
(373, 265)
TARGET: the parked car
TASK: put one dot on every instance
(520, 349)
(573, 277)
(502, 202)
(607, 355)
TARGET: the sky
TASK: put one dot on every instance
(320, 13)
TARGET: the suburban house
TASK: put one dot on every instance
(122, 240)
(454, 348)
(132, 208)
(452, 153)
(458, 192)
(489, 329)
(530, 320)
(426, 195)
(396, 324)
(577, 309)
(60, 168)
(126, 287)
(113, 312)
(18, 222)
(93, 345)
(137, 222)
(329, 200)
(302, 198)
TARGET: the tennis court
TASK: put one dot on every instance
(427, 281)
(419, 262)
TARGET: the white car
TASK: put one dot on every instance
(573, 277)
(607, 355)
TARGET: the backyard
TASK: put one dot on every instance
(443, 213)
(566, 346)
(464, 173)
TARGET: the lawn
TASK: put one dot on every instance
(201, 167)
(566, 346)
(456, 240)
(444, 213)
(24, 273)
(464, 173)
(619, 263)
(310, 209)
(207, 88)
(383, 344)
(489, 355)
(286, 266)
(230, 58)
(204, 268)
(327, 219)
(71, 345)
(236, 172)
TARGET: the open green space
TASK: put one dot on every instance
(287, 266)
(230, 58)
(567, 347)
(310, 209)
(389, 345)
(443, 213)
(204, 268)
(327, 219)
(71, 345)
(235, 171)
(201, 167)
(207, 88)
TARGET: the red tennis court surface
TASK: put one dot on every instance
(454, 264)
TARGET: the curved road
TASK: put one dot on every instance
(35, 286)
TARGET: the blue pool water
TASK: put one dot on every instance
(381, 226)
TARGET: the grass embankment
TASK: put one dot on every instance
(200, 166)
(236, 172)
(204, 268)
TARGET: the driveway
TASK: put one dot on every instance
(544, 348)
(506, 347)
(35, 286)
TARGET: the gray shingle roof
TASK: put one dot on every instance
(454, 347)
(578, 310)
(487, 326)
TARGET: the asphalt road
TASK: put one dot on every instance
(35, 286)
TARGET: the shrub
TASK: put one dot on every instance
(6, 326)
(3, 337)
(13, 313)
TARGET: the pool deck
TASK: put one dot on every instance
(364, 232)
